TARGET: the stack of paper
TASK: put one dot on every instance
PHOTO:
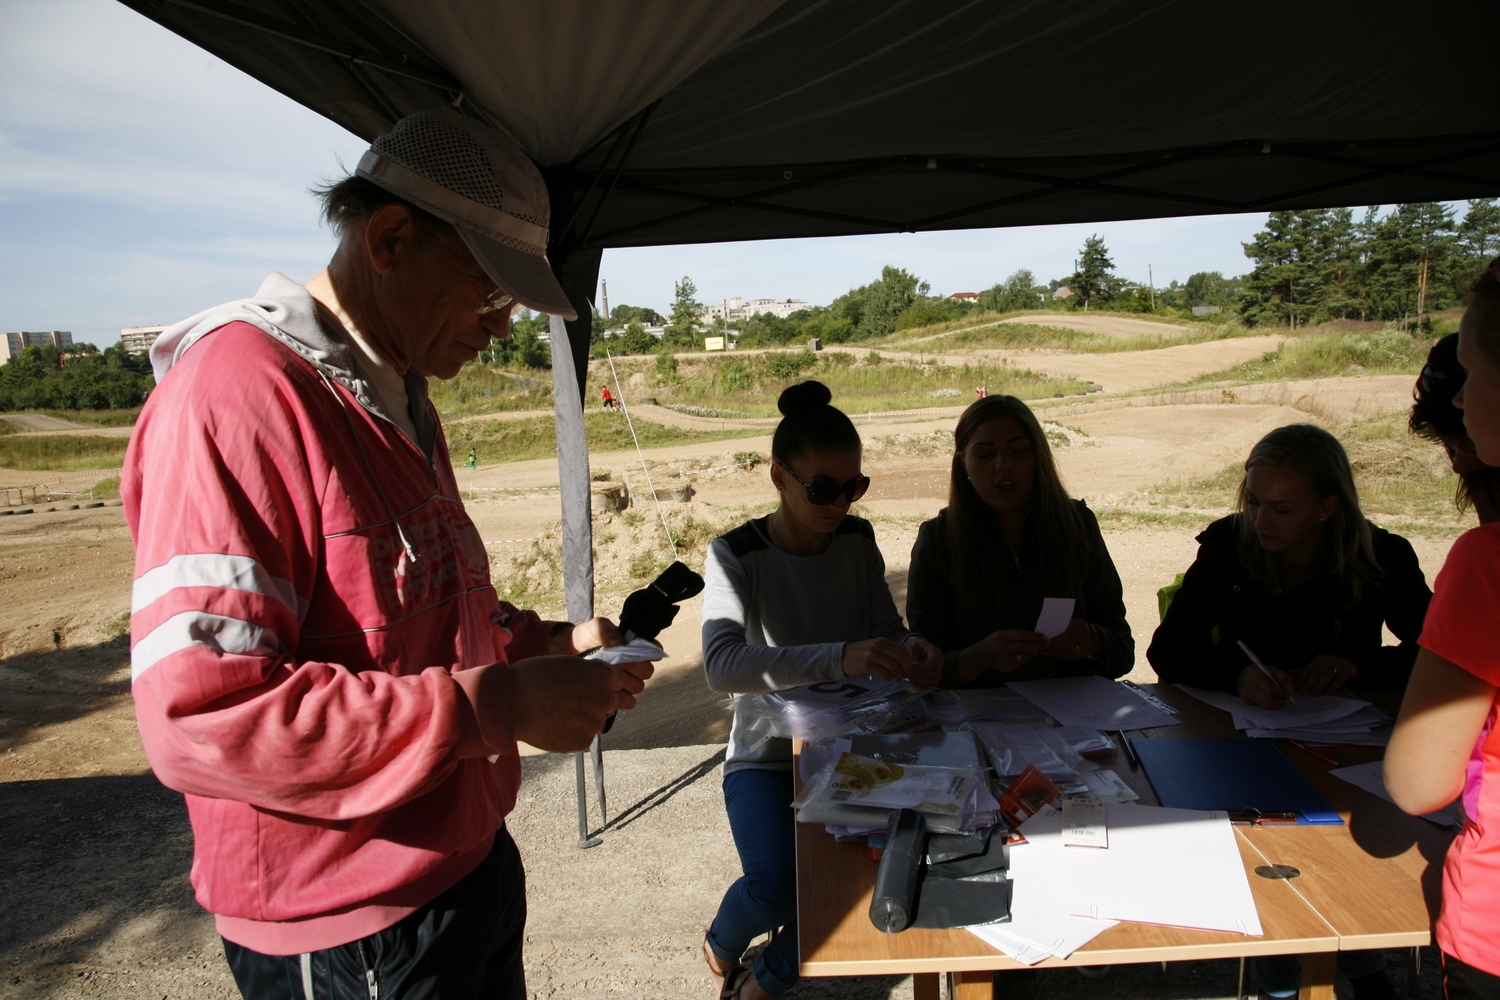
(1179, 867)
(1327, 719)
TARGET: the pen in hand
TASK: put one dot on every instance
(1261, 666)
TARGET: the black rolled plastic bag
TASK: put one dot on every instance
(899, 876)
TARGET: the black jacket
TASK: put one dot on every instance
(1220, 604)
(934, 609)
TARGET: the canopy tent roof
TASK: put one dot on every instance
(698, 120)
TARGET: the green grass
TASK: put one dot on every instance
(104, 489)
(749, 384)
(1381, 352)
(1027, 335)
(97, 418)
(536, 437)
(61, 452)
(482, 389)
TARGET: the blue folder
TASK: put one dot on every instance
(1232, 774)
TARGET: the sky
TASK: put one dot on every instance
(143, 180)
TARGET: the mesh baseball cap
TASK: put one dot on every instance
(481, 182)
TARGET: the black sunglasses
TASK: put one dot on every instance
(826, 490)
(1435, 381)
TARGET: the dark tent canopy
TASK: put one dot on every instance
(699, 120)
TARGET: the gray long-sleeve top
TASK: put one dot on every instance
(773, 621)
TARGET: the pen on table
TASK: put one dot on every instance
(1263, 668)
(1321, 756)
(1130, 754)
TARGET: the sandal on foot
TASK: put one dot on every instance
(717, 967)
(736, 983)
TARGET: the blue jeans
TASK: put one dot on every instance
(1281, 975)
(765, 897)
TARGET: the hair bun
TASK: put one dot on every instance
(802, 397)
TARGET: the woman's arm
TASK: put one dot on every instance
(1404, 601)
(734, 666)
(1187, 647)
(1441, 717)
(1104, 597)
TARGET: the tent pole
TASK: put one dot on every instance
(569, 370)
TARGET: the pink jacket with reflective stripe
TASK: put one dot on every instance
(292, 664)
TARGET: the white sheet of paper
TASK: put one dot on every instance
(1178, 867)
(1056, 616)
(1040, 925)
(1359, 721)
(1302, 711)
(1371, 777)
(633, 651)
(1096, 702)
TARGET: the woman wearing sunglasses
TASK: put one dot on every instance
(1009, 539)
(793, 598)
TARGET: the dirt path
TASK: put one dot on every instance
(41, 422)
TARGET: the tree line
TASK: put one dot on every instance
(86, 378)
(1308, 266)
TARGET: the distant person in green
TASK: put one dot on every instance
(473, 462)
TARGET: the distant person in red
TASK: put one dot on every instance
(609, 400)
(319, 660)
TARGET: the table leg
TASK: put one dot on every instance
(1317, 976)
(927, 986)
(974, 986)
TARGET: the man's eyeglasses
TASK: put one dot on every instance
(825, 490)
(494, 302)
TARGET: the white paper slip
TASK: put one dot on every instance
(1179, 867)
(1096, 702)
(1371, 777)
(633, 651)
(1056, 616)
(1040, 925)
(1302, 711)
(1084, 824)
(1107, 786)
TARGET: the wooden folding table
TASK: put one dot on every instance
(1372, 883)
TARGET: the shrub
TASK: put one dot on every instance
(790, 365)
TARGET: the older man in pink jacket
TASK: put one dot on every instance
(319, 659)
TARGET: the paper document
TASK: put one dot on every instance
(1371, 777)
(1303, 711)
(1316, 737)
(1096, 702)
(1180, 867)
(633, 651)
(1084, 824)
(1056, 616)
(1040, 925)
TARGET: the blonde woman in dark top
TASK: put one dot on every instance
(1010, 538)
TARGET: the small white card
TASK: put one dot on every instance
(633, 651)
(1056, 616)
(1083, 823)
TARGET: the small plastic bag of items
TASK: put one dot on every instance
(820, 712)
(1050, 750)
(941, 775)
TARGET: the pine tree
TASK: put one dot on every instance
(1410, 254)
(687, 314)
(1095, 277)
(1478, 239)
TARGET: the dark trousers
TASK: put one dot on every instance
(464, 945)
(765, 834)
(1464, 982)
